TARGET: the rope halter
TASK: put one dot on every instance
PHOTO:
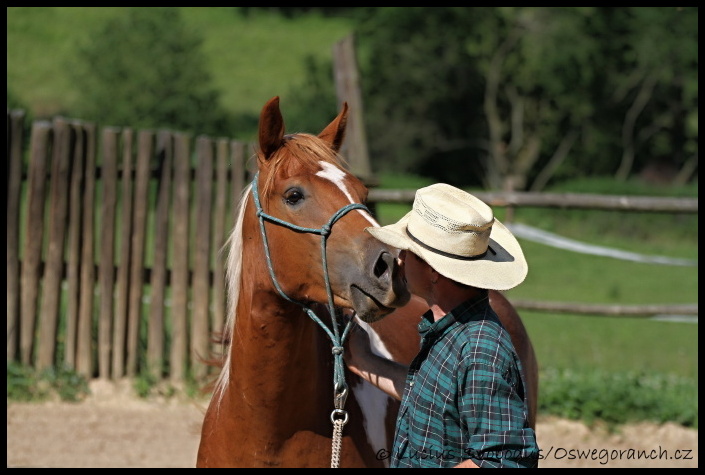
(339, 417)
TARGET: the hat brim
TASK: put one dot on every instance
(502, 270)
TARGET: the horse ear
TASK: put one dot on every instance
(271, 128)
(334, 133)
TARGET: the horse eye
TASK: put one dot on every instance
(293, 196)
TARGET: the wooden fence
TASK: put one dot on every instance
(116, 240)
(114, 237)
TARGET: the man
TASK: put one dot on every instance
(462, 398)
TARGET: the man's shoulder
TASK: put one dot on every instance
(483, 336)
(486, 324)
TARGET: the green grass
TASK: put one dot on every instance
(260, 56)
(251, 59)
(556, 274)
(587, 342)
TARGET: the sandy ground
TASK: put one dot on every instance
(112, 428)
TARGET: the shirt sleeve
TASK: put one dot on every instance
(492, 409)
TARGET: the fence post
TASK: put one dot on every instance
(509, 189)
(53, 270)
(84, 349)
(180, 273)
(347, 85)
(15, 136)
(74, 243)
(122, 281)
(145, 151)
(155, 334)
(220, 234)
(107, 250)
(238, 172)
(201, 258)
(34, 236)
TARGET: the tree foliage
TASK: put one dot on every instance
(421, 95)
(518, 97)
(654, 84)
(145, 69)
(526, 95)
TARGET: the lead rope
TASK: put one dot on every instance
(339, 417)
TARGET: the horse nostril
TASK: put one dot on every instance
(381, 265)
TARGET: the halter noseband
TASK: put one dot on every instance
(340, 386)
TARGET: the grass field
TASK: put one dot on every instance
(251, 58)
(613, 344)
(608, 343)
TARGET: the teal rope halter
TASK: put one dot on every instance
(339, 385)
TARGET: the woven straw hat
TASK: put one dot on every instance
(458, 235)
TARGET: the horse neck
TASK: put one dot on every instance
(279, 356)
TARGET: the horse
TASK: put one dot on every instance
(299, 263)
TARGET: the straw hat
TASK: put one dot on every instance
(458, 235)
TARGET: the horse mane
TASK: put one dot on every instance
(297, 150)
(233, 275)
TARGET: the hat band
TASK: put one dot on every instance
(447, 254)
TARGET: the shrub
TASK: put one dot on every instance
(618, 397)
(29, 385)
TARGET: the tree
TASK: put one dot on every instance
(654, 78)
(522, 96)
(421, 94)
(145, 70)
(535, 88)
(477, 95)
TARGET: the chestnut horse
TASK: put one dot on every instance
(298, 258)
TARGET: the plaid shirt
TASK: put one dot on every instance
(464, 395)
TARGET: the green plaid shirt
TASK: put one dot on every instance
(464, 395)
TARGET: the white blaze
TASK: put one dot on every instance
(337, 176)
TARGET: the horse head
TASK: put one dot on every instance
(314, 231)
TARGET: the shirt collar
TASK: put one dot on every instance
(428, 328)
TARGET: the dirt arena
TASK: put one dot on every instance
(113, 428)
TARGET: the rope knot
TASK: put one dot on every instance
(325, 230)
(338, 350)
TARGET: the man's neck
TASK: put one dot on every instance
(446, 295)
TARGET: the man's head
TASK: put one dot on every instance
(457, 235)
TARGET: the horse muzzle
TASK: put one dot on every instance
(380, 290)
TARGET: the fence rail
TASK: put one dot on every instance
(561, 200)
(607, 310)
(97, 221)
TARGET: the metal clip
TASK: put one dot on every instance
(340, 398)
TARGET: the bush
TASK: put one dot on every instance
(29, 385)
(618, 397)
(146, 69)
